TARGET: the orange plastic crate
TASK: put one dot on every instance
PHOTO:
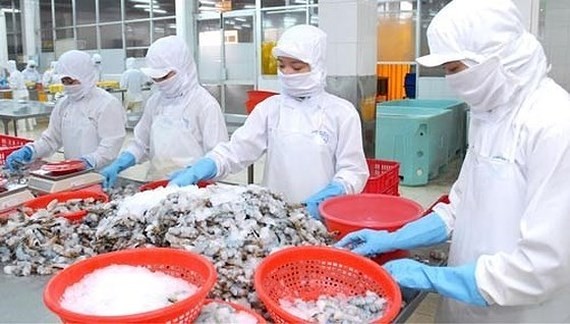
(9, 144)
(384, 177)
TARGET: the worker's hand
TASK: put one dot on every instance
(19, 157)
(111, 172)
(203, 169)
(367, 242)
(426, 231)
(452, 282)
(331, 190)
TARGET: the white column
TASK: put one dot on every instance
(3, 40)
(30, 28)
(185, 22)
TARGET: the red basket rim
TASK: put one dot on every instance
(355, 223)
(42, 201)
(179, 307)
(334, 254)
(238, 307)
(163, 183)
(66, 165)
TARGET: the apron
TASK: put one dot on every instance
(488, 218)
(172, 147)
(79, 133)
(299, 162)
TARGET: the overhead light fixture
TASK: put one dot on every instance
(144, 1)
(9, 10)
(142, 6)
(208, 2)
(246, 25)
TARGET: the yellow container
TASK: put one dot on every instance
(108, 84)
(55, 88)
(268, 62)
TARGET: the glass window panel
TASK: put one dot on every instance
(273, 3)
(314, 16)
(137, 10)
(163, 27)
(239, 29)
(274, 23)
(9, 22)
(209, 49)
(85, 12)
(243, 4)
(64, 33)
(138, 33)
(397, 32)
(46, 28)
(111, 36)
(86, 38)
(162, 8)
(429, 10)
(63, 13)
(109, 10)
(138, 52)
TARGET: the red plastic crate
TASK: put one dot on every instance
(384, 177)
(9, 144)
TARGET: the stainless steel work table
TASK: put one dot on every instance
(12, 110)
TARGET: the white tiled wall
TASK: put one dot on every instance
(557, 40)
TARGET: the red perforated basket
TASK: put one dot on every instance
(239, 308)
(384, 177)
(189, 266)
(308, 272)
(256, 96)
(9, 144)
(43, 201)
(164, 183)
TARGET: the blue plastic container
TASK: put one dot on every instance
(458, 127)
(418, 138)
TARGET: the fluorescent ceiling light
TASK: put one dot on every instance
(143, 1)
(142, 6)
(246, 25)
(249, 6)
(240, 19)
(9, 10)
(160, 11)
(208, 2)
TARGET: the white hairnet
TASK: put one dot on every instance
(77, 65)
(171, 54)
(131, 62)
(97, 59)
(479, 30)
(31, 64)
(306, 43)
(11, 66)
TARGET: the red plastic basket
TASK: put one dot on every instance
(43, 201)
(308, 272)
(256, 96)
(9, 144)
(384, 177)
(164, 183)
(189, 266)
(238, 307)
(349, 213)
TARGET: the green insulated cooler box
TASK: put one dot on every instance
(418, 138)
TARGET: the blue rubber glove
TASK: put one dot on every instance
(333, 189)
(428, 230)
(452, 282)
(111, 172)
(18, 158)
(203, 169)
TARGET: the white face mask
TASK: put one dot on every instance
(73, 91)
(171, 87)
(484, 87)
(300, 84)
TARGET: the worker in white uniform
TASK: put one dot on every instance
(98, 61)
(87, 121)
(312, 138)
(17, 82)
(509, 210)
(180, 122)
(133, 80)
(31, 73)
(50, 76)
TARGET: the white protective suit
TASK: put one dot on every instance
(50, 76)
(133, 80)
(98, 62)
(510, 207)
(181, 121)
(309, 141)
(87, 121)
(31, 73)
(16, 82)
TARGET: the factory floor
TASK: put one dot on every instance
(424, 195)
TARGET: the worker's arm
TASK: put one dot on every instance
(247, 143)
(139, 147)
(111, 121)
(539, 265)
(351, 168)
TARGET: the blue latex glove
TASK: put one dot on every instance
(452, 282)
(331, 190)
(203, 169)
(19, 157)
(428, 230)
(111, 172)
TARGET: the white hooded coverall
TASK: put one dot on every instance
(50, 76)
(31, 73)
(510, 207)
(181, 121)
(133, 80)
(87, 121)
(309, 141)
(16, 82)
